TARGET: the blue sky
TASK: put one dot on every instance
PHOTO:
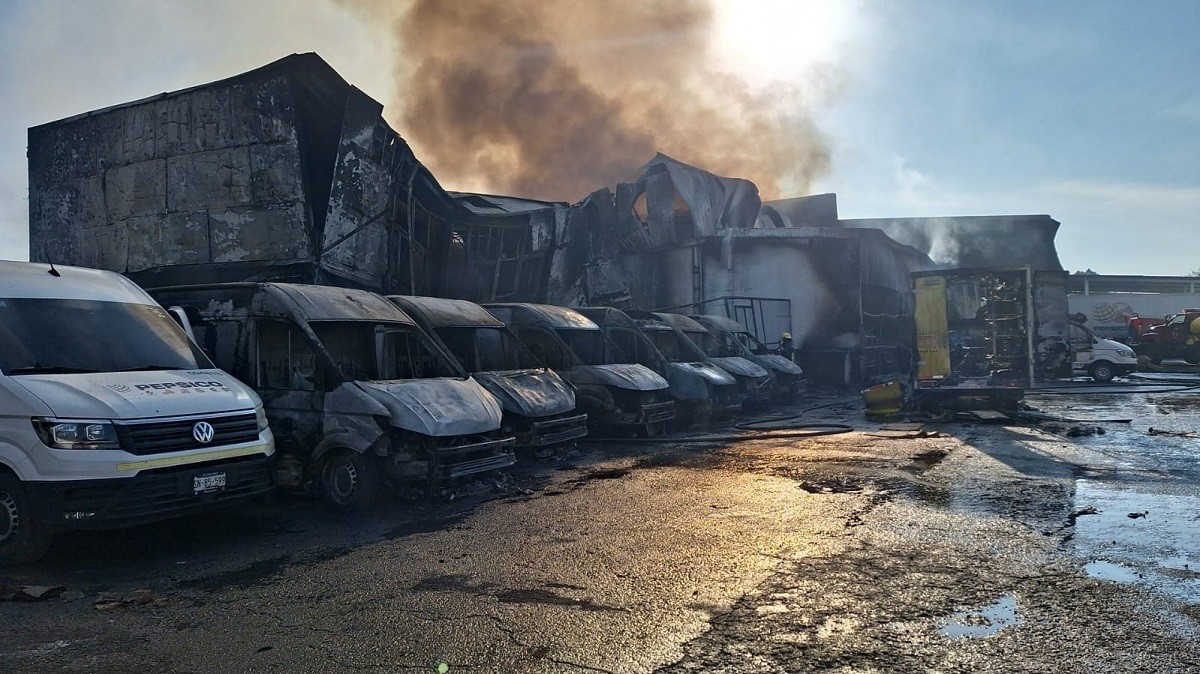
(1088, 111)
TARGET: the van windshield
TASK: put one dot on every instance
(59, 336)
(588, 345)
(486, 349)
(674, 347)
(407, 353)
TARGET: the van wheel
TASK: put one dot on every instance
(1102, 371)
(22, 539)
(349, 480)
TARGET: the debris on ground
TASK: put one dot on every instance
(895, 432)
(830, 487)
(29, 592)
(1176, 434)
(142, 597)
(1136, 516)
(1090, 510)
(1071, 430)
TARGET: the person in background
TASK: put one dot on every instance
(786, 348)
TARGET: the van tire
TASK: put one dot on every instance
(1102, 371)
(25, 539)
(350, 481)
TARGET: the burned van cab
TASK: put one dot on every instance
(356, 392)
(730, 338)
(539, 406)
(701, 389)
(615, 395)
(754, 381)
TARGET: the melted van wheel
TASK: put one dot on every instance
(349, 480)
(22, 540)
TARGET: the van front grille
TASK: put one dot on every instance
(177, 435)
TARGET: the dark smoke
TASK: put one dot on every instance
(555, 99)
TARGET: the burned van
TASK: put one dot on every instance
(754, 381)
(539, 406)
(727, 337)
(702, 390)
(357, 394)
(616, 394)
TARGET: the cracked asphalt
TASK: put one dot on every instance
(985, 548)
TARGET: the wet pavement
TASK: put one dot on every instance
(987, 547)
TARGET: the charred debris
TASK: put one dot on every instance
(288, 173)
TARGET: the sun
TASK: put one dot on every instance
(778, 40)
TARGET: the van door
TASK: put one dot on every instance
(1081, 347)
(287, 377)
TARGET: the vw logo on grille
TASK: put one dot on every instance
(203, 432)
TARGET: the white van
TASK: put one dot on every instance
(109, 415)
(1100, 358)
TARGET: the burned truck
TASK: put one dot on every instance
(753, 380)
(616, 394)
(714, 392)
(539, 406)
(984, 336)
(356, 393)
(727, 337)
(697, 388)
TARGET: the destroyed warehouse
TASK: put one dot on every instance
(289, 173)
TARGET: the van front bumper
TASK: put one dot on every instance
(151, 495)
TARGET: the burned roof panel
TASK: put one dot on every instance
(555, 317)
(720, 322)
(496, 205)
(328, 303)
(680, 322)
(444, 313)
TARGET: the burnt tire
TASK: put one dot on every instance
(350, 481)
(1102, 371)
(22, 538)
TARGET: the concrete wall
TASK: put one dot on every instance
(211, 175)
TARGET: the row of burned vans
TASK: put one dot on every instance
(118, 407)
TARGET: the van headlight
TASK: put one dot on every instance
(77, 433)
(260, 414)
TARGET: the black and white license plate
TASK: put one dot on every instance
(207, 483)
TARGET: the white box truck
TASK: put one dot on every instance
(109, 415)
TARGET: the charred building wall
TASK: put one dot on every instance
(680, 238)
(286, 172)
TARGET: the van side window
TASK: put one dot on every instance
(545, 347)
(285, 358)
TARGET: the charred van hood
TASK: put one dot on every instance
(135, 395)
(437, 407)
(710, 373)
(736, 365)
(627, 376)
(530, 393)
(778, 363)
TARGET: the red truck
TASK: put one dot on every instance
(1177, 337)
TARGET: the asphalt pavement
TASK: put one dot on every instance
(1046, 547)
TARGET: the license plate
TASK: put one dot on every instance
(203, 484)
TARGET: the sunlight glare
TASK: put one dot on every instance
(771, 40)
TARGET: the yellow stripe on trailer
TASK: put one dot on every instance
(194, 458)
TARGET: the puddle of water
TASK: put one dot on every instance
(1109, 571)
(982, 622)
(1160, 550)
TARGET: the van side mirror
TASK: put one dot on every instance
(181, 318)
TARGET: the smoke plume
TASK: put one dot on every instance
(555, 99)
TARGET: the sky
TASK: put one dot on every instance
(1086, 110)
